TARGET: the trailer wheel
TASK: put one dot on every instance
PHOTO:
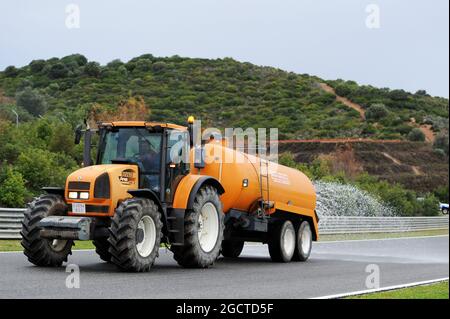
(135, 235)
(303, 243)
(203, 231)
(232, 248)
(102, 248)
(282, 241)
(42, 251)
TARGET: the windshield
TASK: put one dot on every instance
(135, 144)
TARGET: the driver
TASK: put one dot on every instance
(149, 158)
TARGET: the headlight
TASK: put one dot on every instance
(84, 195)
(73, 195)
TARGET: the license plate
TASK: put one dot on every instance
(79, 208)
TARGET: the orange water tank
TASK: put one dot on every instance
(239, 174)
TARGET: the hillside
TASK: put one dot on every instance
(411, 164)
(223, 92)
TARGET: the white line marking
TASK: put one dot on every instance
(369, 291)
(376, 239)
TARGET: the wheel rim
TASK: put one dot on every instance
(289, 241)
(57, 244)
(147, 230)
(305, 238)
(208, 227)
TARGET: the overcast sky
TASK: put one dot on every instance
(328, 38)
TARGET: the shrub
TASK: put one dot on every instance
(12, 188)
(58, 71)
(377, 112)
(11, 71)
(343, 90)
(31, 101)
(441, 142)
(42, 168)
(416, 135)
(92, 69)
(37, 66)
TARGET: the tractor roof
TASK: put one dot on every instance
(143, 124)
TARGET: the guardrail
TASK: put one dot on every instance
(10, 224)
(355, 225)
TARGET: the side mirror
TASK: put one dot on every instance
(78, 134)
(199, 160)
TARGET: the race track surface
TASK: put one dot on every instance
(334, 268)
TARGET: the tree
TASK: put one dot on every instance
(441, 142)
(43, 168)
(11, 71)
(37, 66)
(58, 71)
(377, 112)
(398, 95)
(92, 69)
(416, 135)
(31, 101)
(79, 59)
(343, 90)
(12, 187)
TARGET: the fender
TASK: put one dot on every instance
(188, 188)
(147, 193)
(203, 181)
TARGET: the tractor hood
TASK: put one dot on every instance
(100, 187)
(124, 174)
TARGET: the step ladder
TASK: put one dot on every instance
(265, 204)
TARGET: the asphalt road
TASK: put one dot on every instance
(334, 268)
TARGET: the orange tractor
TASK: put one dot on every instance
(151, 185)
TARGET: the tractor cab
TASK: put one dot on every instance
(160, 151)
(157, 152)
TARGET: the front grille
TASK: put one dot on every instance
(80, 186)
(101, 186)
(94, 209)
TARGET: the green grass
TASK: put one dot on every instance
(433, 291)
(14, 245)
(384, 235)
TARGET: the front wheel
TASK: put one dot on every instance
(135, 235)
(203, 231)
(42, 251)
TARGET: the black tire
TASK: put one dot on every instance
(278, 251)
(102, 248)
(42, 251)
(125, 235)
(232, 248)
(191, 254)
(301, 252)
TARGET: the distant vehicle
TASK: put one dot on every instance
(444, 208)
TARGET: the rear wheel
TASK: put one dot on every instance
(42, 251)
(203, 231)
(304, 242)
(232, 248)
(135, 235)
(282, 241)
